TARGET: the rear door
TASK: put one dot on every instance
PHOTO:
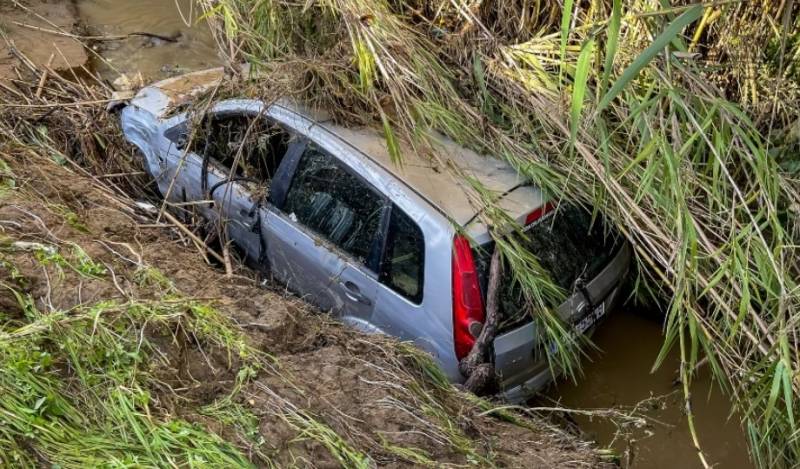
(324, 234)
(399, 310)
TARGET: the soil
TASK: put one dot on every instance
(362, 387)
(36, 32)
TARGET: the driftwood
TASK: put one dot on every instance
(475, 366)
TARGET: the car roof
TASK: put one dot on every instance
(435, 177)
(432, 177)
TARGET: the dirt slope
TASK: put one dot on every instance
(311, 393)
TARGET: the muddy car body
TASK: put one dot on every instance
(384, 247)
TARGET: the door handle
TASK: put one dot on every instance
(352, 292)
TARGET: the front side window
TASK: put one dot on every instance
(334, 203)
(248, 145)
(404, 258)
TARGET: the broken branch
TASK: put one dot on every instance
(475, 366)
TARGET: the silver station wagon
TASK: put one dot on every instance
(395, 249)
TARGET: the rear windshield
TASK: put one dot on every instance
(569, 244)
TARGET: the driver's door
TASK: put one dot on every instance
(228, 169)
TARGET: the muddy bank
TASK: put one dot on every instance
(36, 30)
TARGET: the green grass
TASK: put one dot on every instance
(77, 386)
(74, 393)
(313, 429)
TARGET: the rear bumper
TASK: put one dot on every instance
(521, 370)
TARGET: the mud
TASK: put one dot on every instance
(127, 43)
(35, 32)
(192, 46)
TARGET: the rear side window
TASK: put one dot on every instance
(404, 258)
(335, 204)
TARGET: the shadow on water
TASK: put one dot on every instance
(618, 375)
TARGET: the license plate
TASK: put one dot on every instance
(588, 321)
(584, 324)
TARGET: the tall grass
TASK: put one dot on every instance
(77, 391)
(677, 121)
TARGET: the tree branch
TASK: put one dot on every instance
(476, 367)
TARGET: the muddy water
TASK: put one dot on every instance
(619, 375)
(26, 34)
(193, 49)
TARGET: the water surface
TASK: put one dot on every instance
(619, 375)
(194, 48)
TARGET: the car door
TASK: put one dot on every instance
(402, 279)
(224, 196)
(231, 167)
(324, 235)
(237, 210)
(185, 164)
(177, 176)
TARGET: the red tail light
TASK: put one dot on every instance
(539, 213)
(467, 298)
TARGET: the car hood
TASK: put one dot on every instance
(160, 97)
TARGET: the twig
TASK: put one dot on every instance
(192, 236)
(59, 105)
(117, 37)
(116, 175)
(43, 78)
(226, 254)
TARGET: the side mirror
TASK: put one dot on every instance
(181, 142)
(178, 135)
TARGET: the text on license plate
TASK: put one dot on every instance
(584, 324)
(588, 321)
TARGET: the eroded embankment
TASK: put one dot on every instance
(120, 344)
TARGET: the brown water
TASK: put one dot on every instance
(618, 375)
(195, 48)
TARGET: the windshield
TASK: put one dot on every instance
(569, 244)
